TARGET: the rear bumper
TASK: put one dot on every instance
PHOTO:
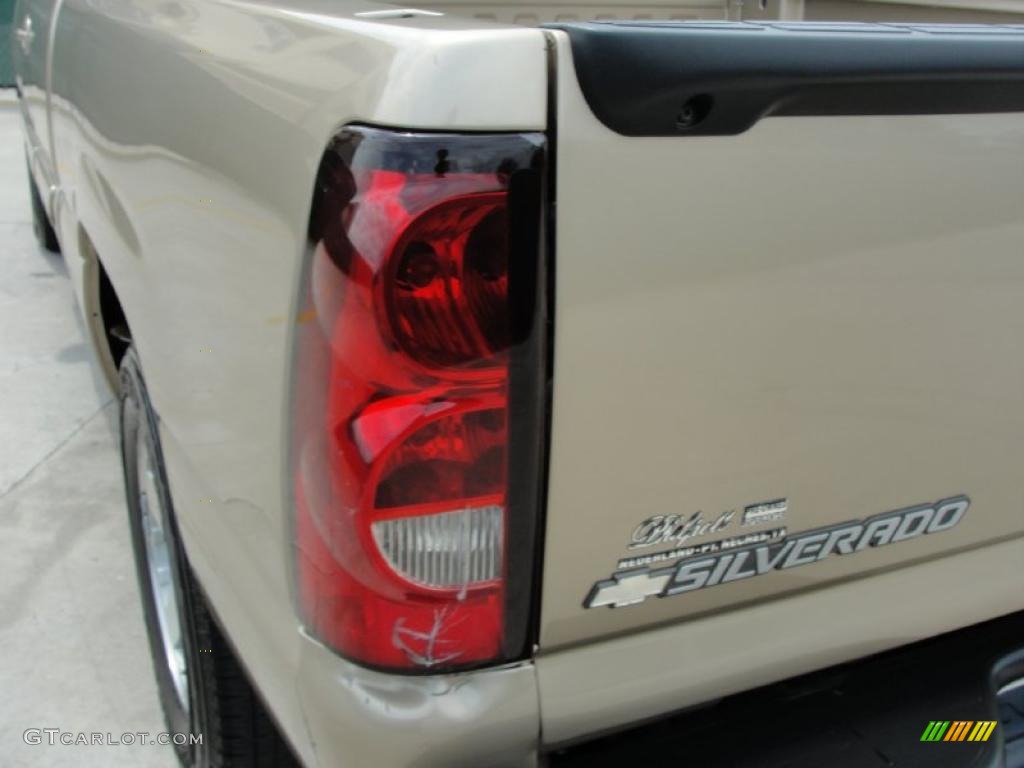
(873, 712)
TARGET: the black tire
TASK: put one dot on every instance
(40, 221)
(222, 706)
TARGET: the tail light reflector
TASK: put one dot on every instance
(419, 400)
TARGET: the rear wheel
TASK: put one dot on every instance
(40, 221)
(202, 687)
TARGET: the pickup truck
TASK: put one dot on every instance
(491, 394)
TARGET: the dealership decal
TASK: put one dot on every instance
(700, 571)
(707, 548)
(765, 512)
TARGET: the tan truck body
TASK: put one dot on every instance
(821, 310)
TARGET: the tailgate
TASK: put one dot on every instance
(789, 340)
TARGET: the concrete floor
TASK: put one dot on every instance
(73, 650)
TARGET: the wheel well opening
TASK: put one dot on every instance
(115, 326)
(116, 334)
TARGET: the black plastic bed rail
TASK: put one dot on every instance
(720, 78)
(869, 714)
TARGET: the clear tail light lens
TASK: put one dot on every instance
(419, 399)
(445, 550)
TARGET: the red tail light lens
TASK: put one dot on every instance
(447, 300)
(419, 399)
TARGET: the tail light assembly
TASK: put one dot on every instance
(419, 399)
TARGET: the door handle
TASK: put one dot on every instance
(25, 35)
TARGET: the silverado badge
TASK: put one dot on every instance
(741, 558)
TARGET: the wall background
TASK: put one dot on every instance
(967, 12)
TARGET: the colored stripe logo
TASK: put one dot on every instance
(958, 730)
